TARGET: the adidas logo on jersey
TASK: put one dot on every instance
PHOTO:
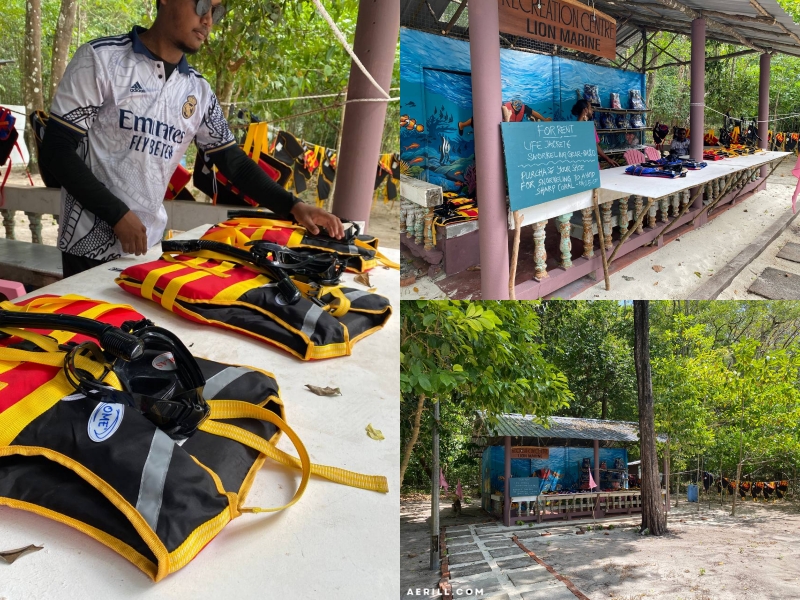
(137, 88)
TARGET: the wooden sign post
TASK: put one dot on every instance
(562, 22)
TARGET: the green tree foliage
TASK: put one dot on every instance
(485, 352)
(726, 376)
(268, 49)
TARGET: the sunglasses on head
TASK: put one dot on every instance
(217, 12)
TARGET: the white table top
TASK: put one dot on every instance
(336, 542)
(615, 184)
(616, 180)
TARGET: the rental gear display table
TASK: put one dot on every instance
(337, 542)
(615, 184)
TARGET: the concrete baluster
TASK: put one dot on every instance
(623, 217)
(638, 206)
(411, 213)
(665, 208)
(35, 220)
(403, 212)
(565, 245)
(539, 252)
(428, 233)
(8, 223)
(588, 233)
(419, 225)
(608, 226)
(651, 215)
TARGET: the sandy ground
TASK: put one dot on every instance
(704, 556)
(738, 290)
(692, 259)
(707, 250)
(384, 220)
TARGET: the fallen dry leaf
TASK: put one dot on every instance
(375, 434)
(11, 555)
(363, 279)
(474, 268)
(658, 268)
(698, 273)
(372, 290)
(326, 391)
(416, 289)
(656, 283)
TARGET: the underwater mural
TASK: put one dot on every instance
(436, 135)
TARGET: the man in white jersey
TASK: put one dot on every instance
(123, 116)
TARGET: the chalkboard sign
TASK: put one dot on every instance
(548, 160)
(525, 486)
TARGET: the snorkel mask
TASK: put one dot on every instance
(159, 376)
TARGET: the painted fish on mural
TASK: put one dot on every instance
(417, 160)
(411, 124)
(410, 147)
(444, 151)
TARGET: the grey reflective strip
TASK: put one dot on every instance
(310, 320)
(154, 474)
(215, 384)
(355, 295)
(353, 250)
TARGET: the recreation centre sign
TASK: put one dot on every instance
(562, 22)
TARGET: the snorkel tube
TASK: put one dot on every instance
(114, 340)
(285, 285)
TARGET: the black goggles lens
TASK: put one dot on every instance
(217, 12)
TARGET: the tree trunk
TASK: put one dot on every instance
(32, 67)
(414, 435)
(61, 42)
(652, 509)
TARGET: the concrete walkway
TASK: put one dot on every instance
(485, 562)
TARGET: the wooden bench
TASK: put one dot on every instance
(33, 265)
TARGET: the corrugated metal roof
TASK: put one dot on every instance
(515, 425)
(780, 35)
(654, 15)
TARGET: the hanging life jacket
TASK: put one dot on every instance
(243, 226)
(206, 287)
(120, 479)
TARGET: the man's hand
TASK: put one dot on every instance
(310, 217)
(131, 234)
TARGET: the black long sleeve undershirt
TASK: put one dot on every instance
(59, 156)
(245, 174)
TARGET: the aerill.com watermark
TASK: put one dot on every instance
(436, 593)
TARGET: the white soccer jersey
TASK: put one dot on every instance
(137, 127)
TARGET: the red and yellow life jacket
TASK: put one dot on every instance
(121, 480)
(361, 255)
(209, 288)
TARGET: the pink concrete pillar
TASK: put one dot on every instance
(763, 103)
(507, 482)
(597, 464)
(484, 48)
(375, 45)
(698, 89)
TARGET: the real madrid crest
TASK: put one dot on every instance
(189, 106)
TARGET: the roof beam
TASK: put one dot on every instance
(690, 12)
(455, 17)
(764, 12)
(708, 59)
(763, 19)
